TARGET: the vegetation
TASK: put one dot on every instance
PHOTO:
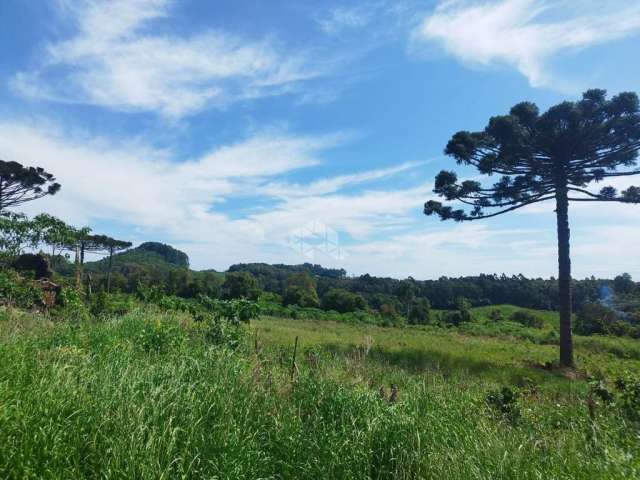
(167, 398)
(553, 156)
(20, 184)
(136, 366)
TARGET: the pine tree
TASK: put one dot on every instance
(554, 156)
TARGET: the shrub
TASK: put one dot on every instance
(297, 295)
(527, 319)
(505, 403)
(159, 336)
(110, 304)
(34, 264)
(16, 291)
(594, 318)
(629, 396)
(71, 306)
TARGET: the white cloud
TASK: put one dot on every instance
(330, 185)
(525, 34)
(114, 61)
(341, 18)
(152, 196)
(150, 193)
(138, 185)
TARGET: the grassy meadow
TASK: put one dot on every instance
(148, 395)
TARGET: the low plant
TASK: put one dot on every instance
(504, 402)
(527, 319)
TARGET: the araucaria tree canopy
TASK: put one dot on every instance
(554, 156)
(19, 184)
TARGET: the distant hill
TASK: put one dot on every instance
(152, 254)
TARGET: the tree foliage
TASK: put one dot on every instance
(569, 147)
(301, 291)
(343, 301)
(20, 184)
(240, 285)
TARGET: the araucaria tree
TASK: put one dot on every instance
(19, 184)
(110, 246)
(554, 156)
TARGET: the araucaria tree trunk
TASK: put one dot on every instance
(564, 276)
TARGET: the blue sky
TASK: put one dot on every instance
(239, 131)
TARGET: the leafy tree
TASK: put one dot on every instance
(301, 290)
(553, 156)
(55, 233)
(19, 184)
(623, 284)
(240, 285)
(343, 301)
(420, 312)
(406, 292)
(17, 232)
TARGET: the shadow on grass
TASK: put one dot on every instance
(448, 365)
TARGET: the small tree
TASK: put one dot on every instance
(17, 232)
(420, 312)
(19, 184)
(77, 243)
(406, 292)
(553, 156)
(301, 291)
(55, 233)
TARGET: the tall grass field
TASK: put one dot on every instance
(150, 395)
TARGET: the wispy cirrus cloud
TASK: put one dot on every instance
(524, 34)
(114, 60)
(333, 184)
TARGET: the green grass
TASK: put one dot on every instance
(145, 396)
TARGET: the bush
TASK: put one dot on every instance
(629, 396)
(159, 336)
(462, 315)
(111, 304)
(16, 291)
(505, 403)
(34, 264)
(527, 319)
(594, 318)
(71, 306)
(496, 315)
(298, 295)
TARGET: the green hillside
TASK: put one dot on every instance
(148, 253)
